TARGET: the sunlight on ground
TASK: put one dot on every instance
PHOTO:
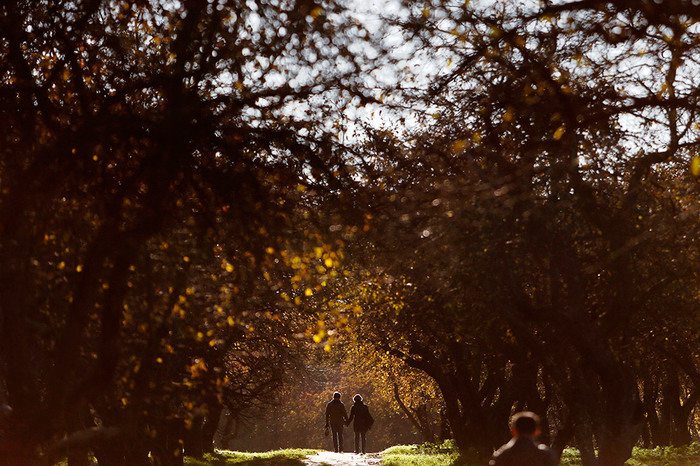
(422, 455)
(290, 457)
(418, 455)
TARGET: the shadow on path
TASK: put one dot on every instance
(327, 458)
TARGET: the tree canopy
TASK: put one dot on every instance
(196, 198)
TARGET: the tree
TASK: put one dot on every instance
(128, 126)
(518, 272)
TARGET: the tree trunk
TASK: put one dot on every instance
(584, 443)
(109, 455)
(169, 449)
(421, 423)
(679, 432)
(622, 421)
(78, 458)
(138, 459)
(653, 430)
(211, 423)
(225, 429)
(130, 451)
(445, 431)
(563, 437)
(472, 436)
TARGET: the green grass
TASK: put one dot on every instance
(570, 457)
(420, 455)
(671, 456)
(660, 456)
(289, 457)
(446, 455)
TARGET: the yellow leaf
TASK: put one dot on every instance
(559, 133)
(459, 145)
(695, 166)
(226, 265)
(508, 115)
(308, 292)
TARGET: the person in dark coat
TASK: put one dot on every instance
(363, 422)
(335, 418)
(523, 449)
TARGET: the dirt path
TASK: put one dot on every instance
(343, 459)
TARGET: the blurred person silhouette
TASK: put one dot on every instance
(335, 419)
(363, 422)
(524, 449)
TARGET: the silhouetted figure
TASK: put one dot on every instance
(523, 449)
(335, 418)
(363, 422)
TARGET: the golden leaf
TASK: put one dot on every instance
(695, 166)
(559, 133)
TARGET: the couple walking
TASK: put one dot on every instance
(337, 418)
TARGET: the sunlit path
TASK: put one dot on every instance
(343, 459)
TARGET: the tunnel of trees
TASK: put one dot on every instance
(210, 210)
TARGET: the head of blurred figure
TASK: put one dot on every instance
(525, 424)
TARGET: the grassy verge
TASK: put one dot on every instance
(420, 455)
(289, 457)
(446, 455)
(688, 455)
